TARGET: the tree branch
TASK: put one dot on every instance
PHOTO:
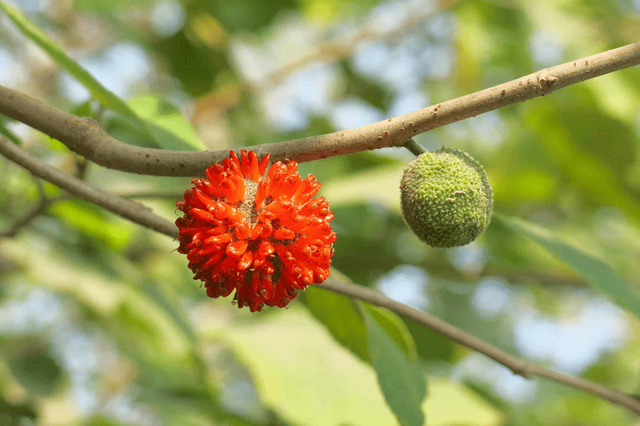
(43, 203)
(336, 50)
(128, 209)
(88, 139)
(516, 365)
(140, 214)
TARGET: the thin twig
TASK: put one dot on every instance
(415, 148)
(43, 203)
(88, 139)
(342, 48)
(128, 209)
(516, 365)
(143, 216)
(37, 210)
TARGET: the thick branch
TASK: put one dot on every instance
(121, 206)
(516, 365)
(87, 138)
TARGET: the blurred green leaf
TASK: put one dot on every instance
(381, 185)
(88, 218)
(83, 110)
(302, 373)
(101, 93)
(111, 5)
(490, 37)
(8, 133)
(195, 65)
(97, 90)
(430, 345)
(248, 14)
(342, 317)
(452, 403)
(401, 380)
(100, 421)
(395, 327)
(189, 406)
(166, 123)
(172, 309)
(137, 326)
(370, 240)
(36, 369)
(16, 412)
(583, 164)
(376, 94)
(126, 131)
(595, 271)
(486, 394)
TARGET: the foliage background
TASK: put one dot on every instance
(100, 322)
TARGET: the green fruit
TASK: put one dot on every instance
(447, 200)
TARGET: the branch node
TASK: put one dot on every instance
(546, 82)
(521, 369)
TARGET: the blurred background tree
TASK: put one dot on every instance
(100, 321)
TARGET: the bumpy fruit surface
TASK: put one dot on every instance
(447, 200)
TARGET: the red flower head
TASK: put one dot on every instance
(265, 237)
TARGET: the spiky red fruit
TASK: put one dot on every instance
(265, 237)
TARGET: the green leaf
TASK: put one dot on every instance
(340, 316)
(593, 270)
(8, 133)
(430, 345)
(301, 372)
(575, 142)
(99, 420)
(97, 90)
(380, 184)
(111, 6)
(167, 124)
(343, 319)
(401, 380)
(88, 218)
(396, 328)
(284, 351)
(83, 110)
(36, 370)
(17, 411)
(451, 402)
(171, 309)
(102, 94)
(126, 131)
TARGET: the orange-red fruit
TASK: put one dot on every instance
(264, 236)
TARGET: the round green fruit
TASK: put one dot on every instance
(447, 200)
